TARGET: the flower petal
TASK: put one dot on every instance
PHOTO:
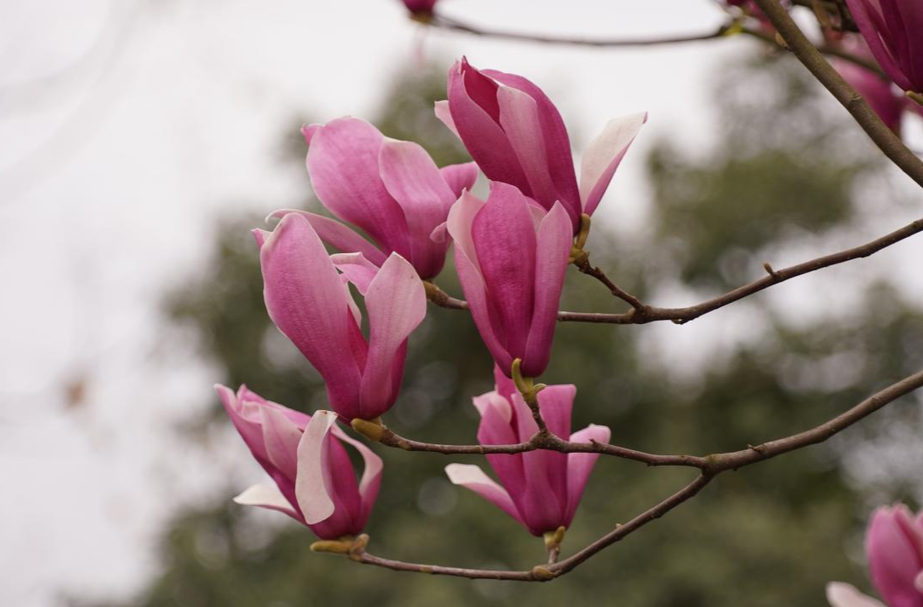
(413, 180)
(580, 465)
(840, 594)
(337, 235)
(371, 474)
(520, 121)
(553, 244)
(556, 404)
(307, 302)
(266, 496)
(505, 243)
(249, 429)
(894, 560)
(343, 165)
(281, 436)
(356, 268)
(475, 113)
(396, 305)
(460, 177)
(310, 490)
(473, 478)
(557, 142)
(444, 114)
(603, 156)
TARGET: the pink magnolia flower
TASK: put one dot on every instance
(540, 489)
(894, 548)
(511, 257)
(310, 303)
(878, 91)
(516, 135)
(390, 189)
(892, 29)
(314, 479)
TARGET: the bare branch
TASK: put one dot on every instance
(645, 313)
(459, 26)
(886, 140)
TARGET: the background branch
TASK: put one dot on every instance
(886, 140)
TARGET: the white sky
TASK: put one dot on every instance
(112, 174)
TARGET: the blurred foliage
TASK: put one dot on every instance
(771, 535)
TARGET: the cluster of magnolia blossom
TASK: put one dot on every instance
(894, 549)
(511, 253)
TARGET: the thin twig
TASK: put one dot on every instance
(459, 26)
(583, 264)
(886, 140)
(714, 465)
(646, 313)
(826, 49)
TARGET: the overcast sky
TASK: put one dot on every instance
(127, 127)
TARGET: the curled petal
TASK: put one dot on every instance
(396, 305)
(580, 465)
(356, 268)
(249, 429)
(337, 235)
(310, 490)
(266, 496)
(473, 478)
(306, 300)
(603, 157)
(460, 177)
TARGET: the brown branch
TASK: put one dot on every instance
(711, 466)
(622, 531)
(543, 440)
(459, 26)
(548, 571)
(886, 140)
(645, 313)
(583, 264)
(818, 434)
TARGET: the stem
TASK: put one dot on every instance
(811, 58)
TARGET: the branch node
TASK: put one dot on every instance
(371, 429)
(771, 271)
(543, 573)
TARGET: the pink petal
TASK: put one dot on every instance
(894, 561)
(267, 496)
(543, 503)
(475, 113)
(343, 165)
(371, 474)
(281, 437)
(473, 478)
(469, 274)
(505, 244)
(356, 268)
(557, 142)
(520, 121)
(580, 465)
(460, 177)
(414, 181)
(496, 429)
(444, 114)
(869, 19)
(248, 429)
(553, 244)
(840, 594)
(337, 235)
(604, 155)
(556, 404)
(310, 490)
(307, 302)
(396, 305)
(308, 131)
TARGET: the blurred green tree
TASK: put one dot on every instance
(771, 535)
